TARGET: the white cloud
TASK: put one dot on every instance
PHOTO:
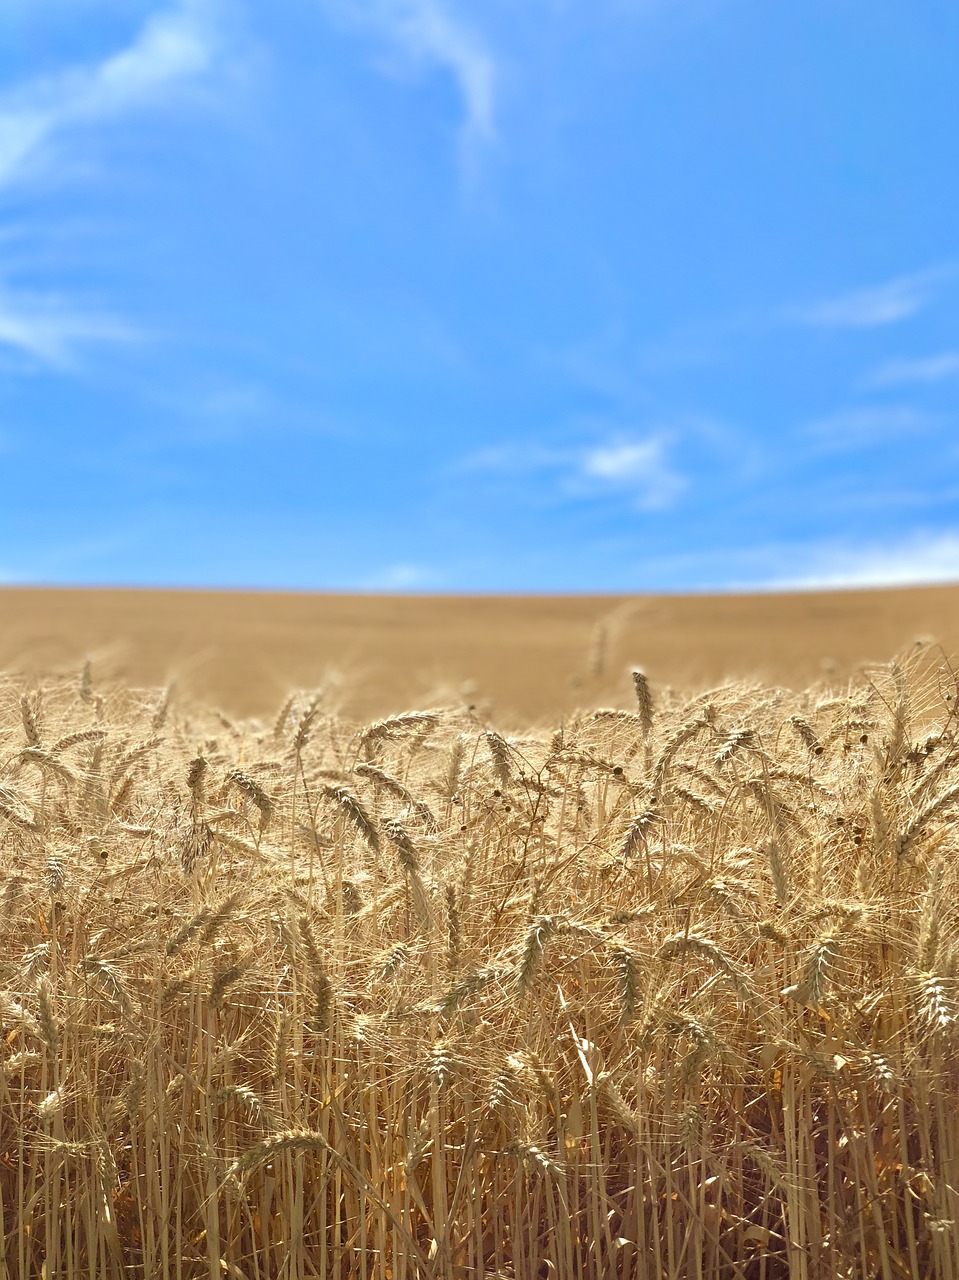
(429, 33)
(175, 47)
(636, 467)
(871, 308)
(621, 462)
(923, 558)
(49, 330)
(927, 369)
(22, 130)
(400, 577)
(640, 466)
(171, 49)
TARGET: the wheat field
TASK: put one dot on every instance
(665, 990)
(523, 659)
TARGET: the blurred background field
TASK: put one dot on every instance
(522, 658)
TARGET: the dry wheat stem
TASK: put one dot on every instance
(553, 1006)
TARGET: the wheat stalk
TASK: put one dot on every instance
(497, 1046)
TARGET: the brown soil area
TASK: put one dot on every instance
(523, 658)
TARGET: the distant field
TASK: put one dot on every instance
(524, 658)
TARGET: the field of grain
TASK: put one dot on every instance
(521, 659)
(666, 989)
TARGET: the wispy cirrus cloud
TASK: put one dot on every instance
(925, 369)
(432, 34)
(641, 467)
(173, 47)
(402, 577)
(921, 557)
(637, 468)
(50, 330)
(917, 559)
(873, 307)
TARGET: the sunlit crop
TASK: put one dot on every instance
(665, 991)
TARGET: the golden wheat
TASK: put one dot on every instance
(669, 995)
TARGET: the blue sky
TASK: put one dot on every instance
(437, 295)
